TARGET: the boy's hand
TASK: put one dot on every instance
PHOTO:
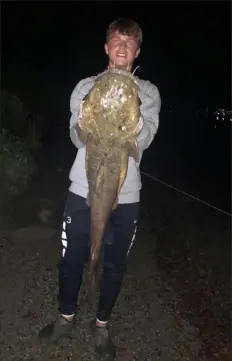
(133, 151)
(139, 126)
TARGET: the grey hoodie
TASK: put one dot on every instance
(150, 108)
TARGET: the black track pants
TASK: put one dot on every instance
(119, 237)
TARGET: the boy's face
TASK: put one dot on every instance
(122, 50)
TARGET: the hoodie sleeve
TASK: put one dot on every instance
(79, 92)
(150, 108)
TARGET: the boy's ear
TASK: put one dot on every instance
(137, 53)
(106, 49)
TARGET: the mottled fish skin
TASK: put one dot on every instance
(110, 114)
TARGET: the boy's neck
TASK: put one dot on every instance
(127, 68)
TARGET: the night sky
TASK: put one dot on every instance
(186, 48)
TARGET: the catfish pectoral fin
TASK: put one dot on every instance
(115, 204)
(81, 134)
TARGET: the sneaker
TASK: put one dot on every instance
(57, 329)
(104, 346)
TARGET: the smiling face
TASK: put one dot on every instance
(122, 50)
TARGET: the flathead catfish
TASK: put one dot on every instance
(110, 117)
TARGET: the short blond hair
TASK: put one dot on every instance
(125, 26)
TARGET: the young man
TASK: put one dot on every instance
(123, 40)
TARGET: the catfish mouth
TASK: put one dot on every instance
(120, 71)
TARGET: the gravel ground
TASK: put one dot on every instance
(174, 304)
(193, 256)
(143, 325)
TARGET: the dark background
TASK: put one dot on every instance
(186, 48)
(186, 53)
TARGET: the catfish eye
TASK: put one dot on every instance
(123, 128)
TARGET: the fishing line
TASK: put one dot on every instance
(186, 194)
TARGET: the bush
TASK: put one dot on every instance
(17, 164)
(19, 142)
(19, 120)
